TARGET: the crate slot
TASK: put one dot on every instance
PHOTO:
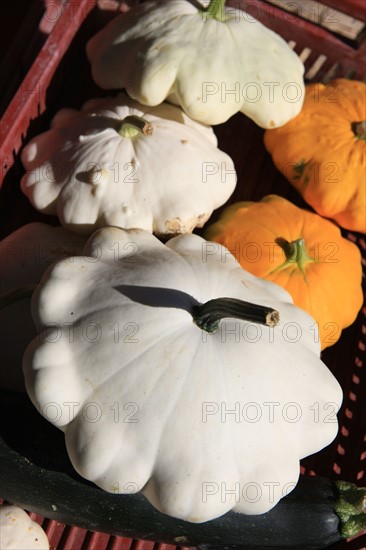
(305, 54)
(331, 73)
(350, 73)
(315, 68)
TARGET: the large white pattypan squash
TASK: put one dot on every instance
(119, 163)
(213, 61)
(162, 386)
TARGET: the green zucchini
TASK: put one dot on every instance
(36, 474)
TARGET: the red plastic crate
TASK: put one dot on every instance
(60, 77)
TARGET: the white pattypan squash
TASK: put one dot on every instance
(19, 532)
(213, 61)
(25, 254)
(162, 387)
(119, 163)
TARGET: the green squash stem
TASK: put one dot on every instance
(351, 508)
(208, 316)
(215, 10)
(295, 252)
(133, 125)
(15, 295)
(359, 129)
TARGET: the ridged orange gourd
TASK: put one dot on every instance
(300, 251)
(322, 151)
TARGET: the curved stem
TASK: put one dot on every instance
(208, 316)
(295, 252)
(350, 508)
(133, 125)
(359, 129)
(215, 9)
(15, 295)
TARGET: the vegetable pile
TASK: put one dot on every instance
(210, 354)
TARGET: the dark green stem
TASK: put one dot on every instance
(359, 129)
(215, 9)
(133, 125)
(15, 295)
(350, 508)
(208, 316)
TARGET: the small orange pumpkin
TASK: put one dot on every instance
(300, 251)
(322, 151)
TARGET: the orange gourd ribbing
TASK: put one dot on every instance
(322, 151)
(300, 251)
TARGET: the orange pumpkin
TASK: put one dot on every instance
(322, 151)
(300, 251)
